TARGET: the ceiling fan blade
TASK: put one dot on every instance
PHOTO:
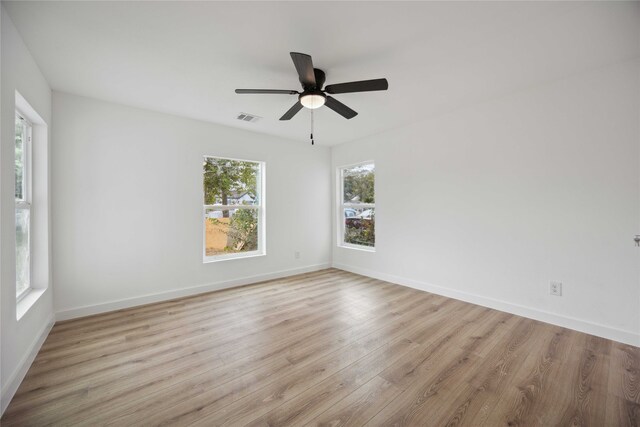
(361, 86)
(292, 111)
(340, 108)
(276, 91)
(304, 67)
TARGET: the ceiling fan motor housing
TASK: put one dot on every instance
(312, 97)
(320, 79)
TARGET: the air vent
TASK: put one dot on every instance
(248, 118)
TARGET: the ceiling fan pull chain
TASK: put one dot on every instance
(312, 141)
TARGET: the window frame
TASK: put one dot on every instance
(342, 205)
(260, 208)
(26, 201)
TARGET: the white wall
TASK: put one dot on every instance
(490, 203)
(127, 214)
(20, 340)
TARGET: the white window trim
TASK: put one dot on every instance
(261, 208)
(26, 202)
(342, 206)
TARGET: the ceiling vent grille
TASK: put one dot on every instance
(248, 118)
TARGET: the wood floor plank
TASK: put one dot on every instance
(324, 348)
(533, 383)
(232, 313)
(424, 381)
(480, 392)
(621, 412)
(157, 370)
(131, 349)
(270, 393)
(153, 392)
(625, 381)
(360, 406)
(221, 307)
(313, 401)
(305, 355)
(441, 345)
(589, 384)
(83, 401)
(155, 310)
(136, 355)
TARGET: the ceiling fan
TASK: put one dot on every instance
(312, 95)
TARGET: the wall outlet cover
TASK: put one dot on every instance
(555, 288)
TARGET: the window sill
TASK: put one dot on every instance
(27, 301)
(218, 258)
(357, 247)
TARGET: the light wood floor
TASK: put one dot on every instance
(325, 348)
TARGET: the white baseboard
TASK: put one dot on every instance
(15, 379)
(72, 313)
(620, 335)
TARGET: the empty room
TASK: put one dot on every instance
(320, 213)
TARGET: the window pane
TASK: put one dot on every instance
(358, 183)
(22, 249)
(359, 226)
(230, 182)
(230, 231)
(19, 158)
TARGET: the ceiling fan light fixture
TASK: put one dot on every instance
(313, 100)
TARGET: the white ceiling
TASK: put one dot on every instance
(186, 58)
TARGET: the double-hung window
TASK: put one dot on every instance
(357, 206)
(233, 209)
(23, 174)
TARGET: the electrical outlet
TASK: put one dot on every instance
(296, 255)
(555, 288)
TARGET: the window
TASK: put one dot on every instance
(233, 208)
(357, 206)
(23, 204)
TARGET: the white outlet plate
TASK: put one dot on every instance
(555, 288)
(296, 255)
